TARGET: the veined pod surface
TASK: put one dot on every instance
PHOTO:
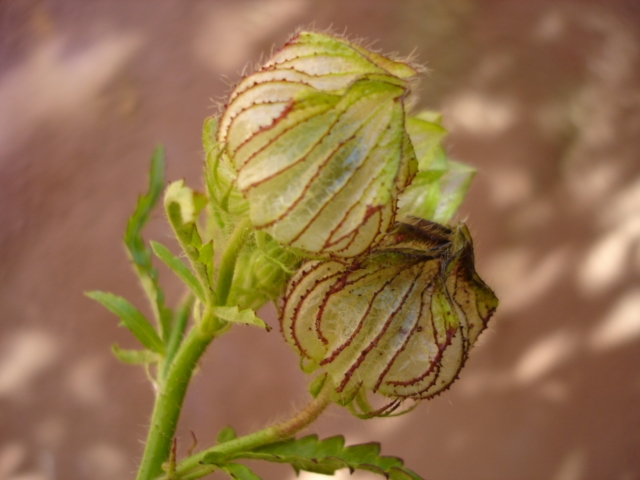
(399, 322)
(317, 138)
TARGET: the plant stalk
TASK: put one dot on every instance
(192, 468)
(172, 390)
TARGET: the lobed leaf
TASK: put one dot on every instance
(138, 252)
(324, 457)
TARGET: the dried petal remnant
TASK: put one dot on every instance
(317, 138)
(401, 322)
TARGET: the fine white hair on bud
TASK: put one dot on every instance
(399, 322)
(318, 142)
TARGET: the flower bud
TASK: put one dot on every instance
(400, 322)
(317, 139)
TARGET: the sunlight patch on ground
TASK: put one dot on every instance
(339, 475)
(25, 356)
(11, 457)
(228, 35)
(550, 27)
(572, 467)
(620, 326)
(86, 380)
(520, 279)
(104, 461)
(545, 355)
(55, 80)
(510, 186)
(609, 258)
(480, 114)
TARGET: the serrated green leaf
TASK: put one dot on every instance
(135, 357)
(226, 434)
(131, 318)
(139, 254)
(239, 472)
(235, 315)
(325, 457)
(179, 268)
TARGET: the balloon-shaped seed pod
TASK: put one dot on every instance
(318, 142)
(399, 322)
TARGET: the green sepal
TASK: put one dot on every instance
(324, 457)
(235, 315)
(135, 357)
(238, 471)
(453, 188)
(131, 318)
(205, 253)
(227, 205)
(425, 138)
(265, 267)
(183, 205)
(179, 268)
(316, 385)
(226, 434)
(440, 185)
(138, 252)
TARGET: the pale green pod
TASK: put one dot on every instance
(400, 322)
(317, 139)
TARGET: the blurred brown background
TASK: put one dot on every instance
(543, 97)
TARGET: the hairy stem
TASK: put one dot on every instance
(172, 389)
(166, 411)
(192, 468)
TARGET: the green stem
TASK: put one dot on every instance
(172, 390)
(192, 468)
(228, 261)
(166, 411)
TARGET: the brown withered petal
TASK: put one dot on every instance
(401, 322)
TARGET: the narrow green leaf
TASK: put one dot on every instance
(131, 318)
(179, 268)
(226, 434)
(235, 315)
(138, 252)
(135, 357)
(239, 472)
(178, 327)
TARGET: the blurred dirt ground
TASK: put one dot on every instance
(542, 97)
